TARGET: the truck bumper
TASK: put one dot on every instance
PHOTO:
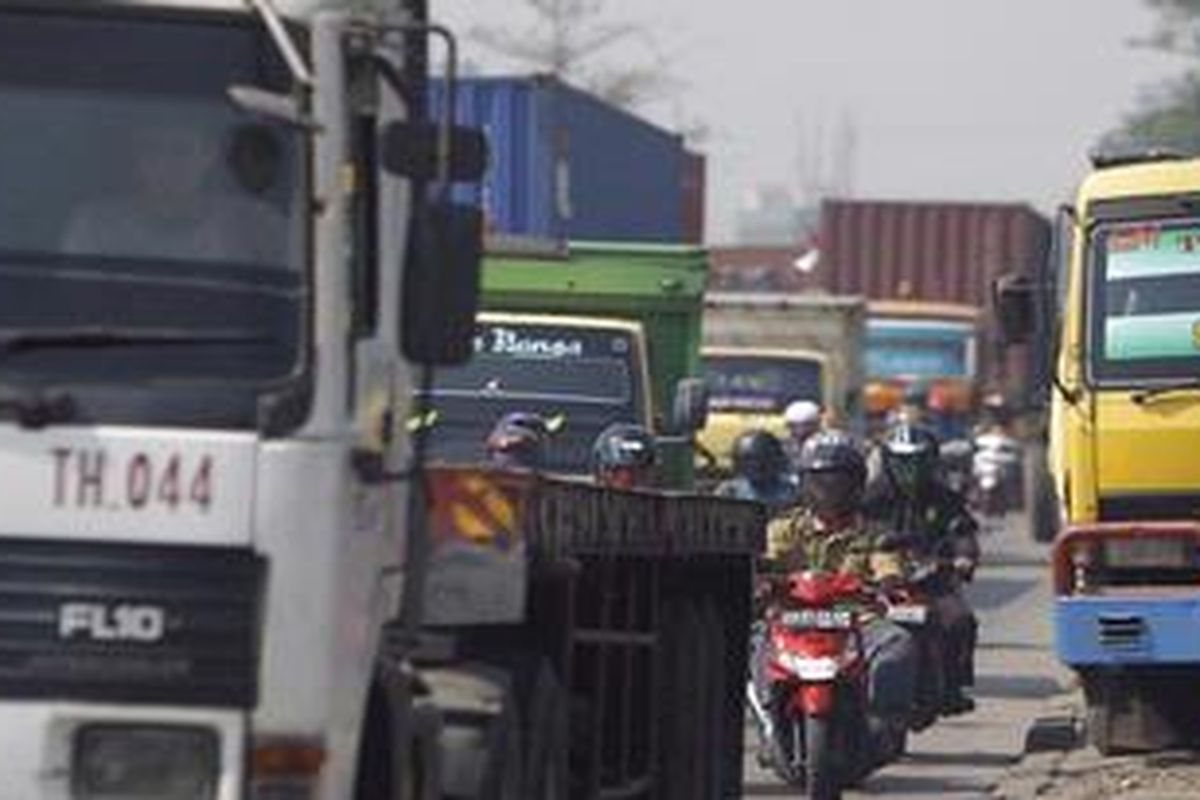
(41, 743)
(1100, 631)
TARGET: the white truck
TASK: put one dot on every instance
(227, 261)
(208, 280)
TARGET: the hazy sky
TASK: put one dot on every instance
(951, 99)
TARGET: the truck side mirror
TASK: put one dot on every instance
(690, 410)
(413, 149)
(441, 284)
(1013, 299)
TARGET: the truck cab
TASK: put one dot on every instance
(750, 388)
(1120, 314)
(201, 264)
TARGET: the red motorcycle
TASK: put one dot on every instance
(817, 672)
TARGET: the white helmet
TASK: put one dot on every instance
(802, 412)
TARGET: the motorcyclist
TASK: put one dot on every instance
(995, 414)
(803, 419)
(909, 496)
(828, 532)
(518, 440)
(624, 456)
(760, 472)
(999, 453)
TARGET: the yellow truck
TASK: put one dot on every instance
(1116, 315)
(763, 351)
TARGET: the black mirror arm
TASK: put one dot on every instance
(446, 123)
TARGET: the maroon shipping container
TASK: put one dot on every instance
(694, 197)
(945, 252)
(948, 252)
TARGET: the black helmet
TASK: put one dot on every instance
(910, 456)
(518, 440)
(759, 457)
(624, 455)
(833, 472)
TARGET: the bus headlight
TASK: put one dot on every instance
(140, 762)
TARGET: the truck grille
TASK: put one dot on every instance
(1122, 632)
(129, 623)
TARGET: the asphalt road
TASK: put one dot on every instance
(1016, 673)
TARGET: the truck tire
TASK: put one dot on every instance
(547, 737)
(1045, 516)
(398, 758)
(1140, 710)
(480, 752)
(682, 740)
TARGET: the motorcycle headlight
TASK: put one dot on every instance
(807, 668)
(141, 762)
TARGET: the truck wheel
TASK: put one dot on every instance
(397, 757)
(375, 778)
(821, 775)
(1044, 510)
(547, 737)
(480, 753)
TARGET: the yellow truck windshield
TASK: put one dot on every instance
(1145, 300)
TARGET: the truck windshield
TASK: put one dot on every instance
(137, 198)
(916, 349)
(760, 384)
(582, 378)
(1145, 300)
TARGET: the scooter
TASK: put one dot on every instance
(817, 673)
(997, 473)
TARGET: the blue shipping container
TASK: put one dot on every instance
(566, 165)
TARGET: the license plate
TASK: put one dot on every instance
(819, 618)
(908, 614)
(1148, 552)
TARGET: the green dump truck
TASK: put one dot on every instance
(585, 335)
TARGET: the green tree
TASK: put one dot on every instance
(571, 39)
(1168, 116)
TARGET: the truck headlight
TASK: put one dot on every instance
(140, 762)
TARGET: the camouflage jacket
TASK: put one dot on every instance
(801, 541)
